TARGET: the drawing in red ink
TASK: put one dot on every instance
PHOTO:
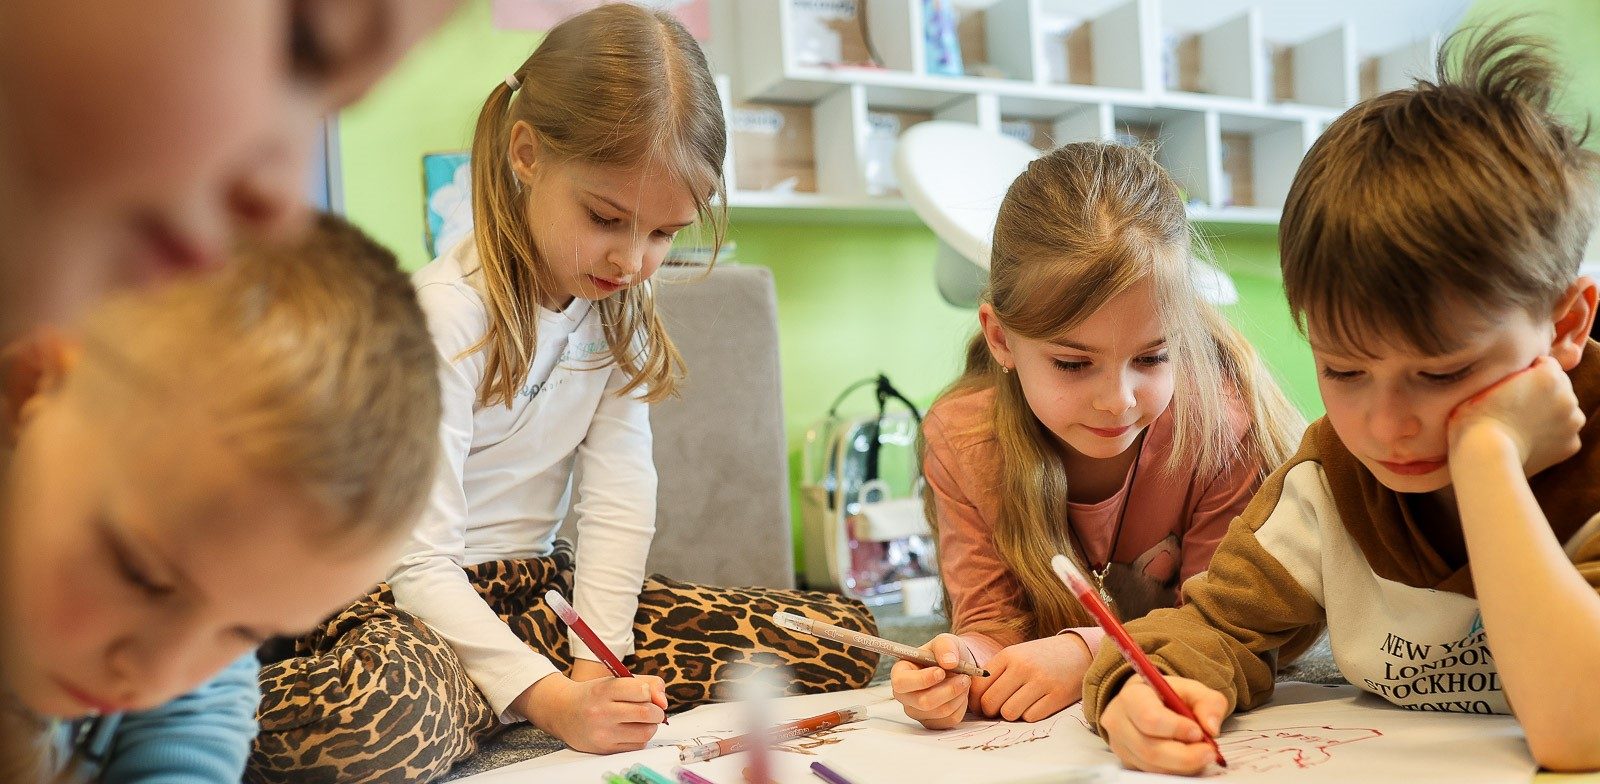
(1293, 748)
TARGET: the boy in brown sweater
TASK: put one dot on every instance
(1430, 243)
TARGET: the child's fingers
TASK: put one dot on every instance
(1053, 701)
(947, 713)
(981, 686)
(1045, 707)
(947, 649)
(1027, 693)
(931, 699)
(1185, 759)
(997, 668)
(907, 678)
(628, 689)
(639, 713)
(1159, 755)
(633, 736)
(658, 690)
(1001, 687)
(1139, 751)
(923, 687)
(1150, 717)
(1207, 703)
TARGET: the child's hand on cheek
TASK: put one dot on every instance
(1532, 411)
(1033, 680)
(1148, 736)
(602, 716)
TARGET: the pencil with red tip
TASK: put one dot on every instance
(1069, 574)
(570, 617)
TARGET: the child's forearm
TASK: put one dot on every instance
(1541, 617)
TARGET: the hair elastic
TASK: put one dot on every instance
(513, 82)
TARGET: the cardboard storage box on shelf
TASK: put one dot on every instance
(828, 32)
(1038, 133)
(1181, 63)
(772, 148)
(1238, 170)
(1068, 50)
(883, 134)
(1280, 73)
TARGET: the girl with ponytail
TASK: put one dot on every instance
(586, 163)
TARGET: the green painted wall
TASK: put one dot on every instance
(853, 300)
(1573, 27)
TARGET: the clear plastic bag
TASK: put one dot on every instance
(861, 481)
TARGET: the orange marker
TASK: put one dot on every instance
(782, 732)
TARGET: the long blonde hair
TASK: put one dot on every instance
(308, 358)
(1083, 224)
(618, 86)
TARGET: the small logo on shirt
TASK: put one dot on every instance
(583, 351)
(579, 354)
(532, 390)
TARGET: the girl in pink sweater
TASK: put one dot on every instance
(1106, 411)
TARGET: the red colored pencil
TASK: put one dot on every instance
(1069, 574)
(569, 616)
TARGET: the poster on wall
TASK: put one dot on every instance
(447, 194)
(545, 14)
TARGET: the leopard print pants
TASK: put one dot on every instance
(373, 695)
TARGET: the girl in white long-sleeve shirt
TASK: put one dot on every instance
(586, 162)
(605, 144)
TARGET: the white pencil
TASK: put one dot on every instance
(797, 623)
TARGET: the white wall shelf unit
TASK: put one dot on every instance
(1397, 68)
(1229, 111)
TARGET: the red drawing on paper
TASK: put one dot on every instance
(1287, 748)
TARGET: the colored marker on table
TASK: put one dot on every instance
(569, 616)
(1069, 574)
(827, 774)
(686, 776)
(642, 774)
(827, 631)
(783, 732)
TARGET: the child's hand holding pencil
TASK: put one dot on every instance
(1156, 723)
(595, 715)
(936, 696)
(1147, 735)
(933, 678)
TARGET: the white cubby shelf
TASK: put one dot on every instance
(816, 90)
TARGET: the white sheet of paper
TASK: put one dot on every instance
(1307, 734)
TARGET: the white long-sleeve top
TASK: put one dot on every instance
(505, 479)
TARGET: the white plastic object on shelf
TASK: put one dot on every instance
(955, 176)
